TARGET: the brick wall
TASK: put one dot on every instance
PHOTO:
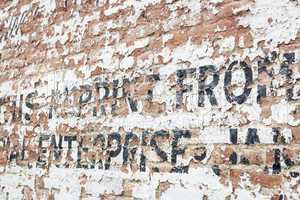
(150, 99)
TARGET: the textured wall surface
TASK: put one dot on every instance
(150, 99)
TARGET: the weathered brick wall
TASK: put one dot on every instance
(150, 99)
